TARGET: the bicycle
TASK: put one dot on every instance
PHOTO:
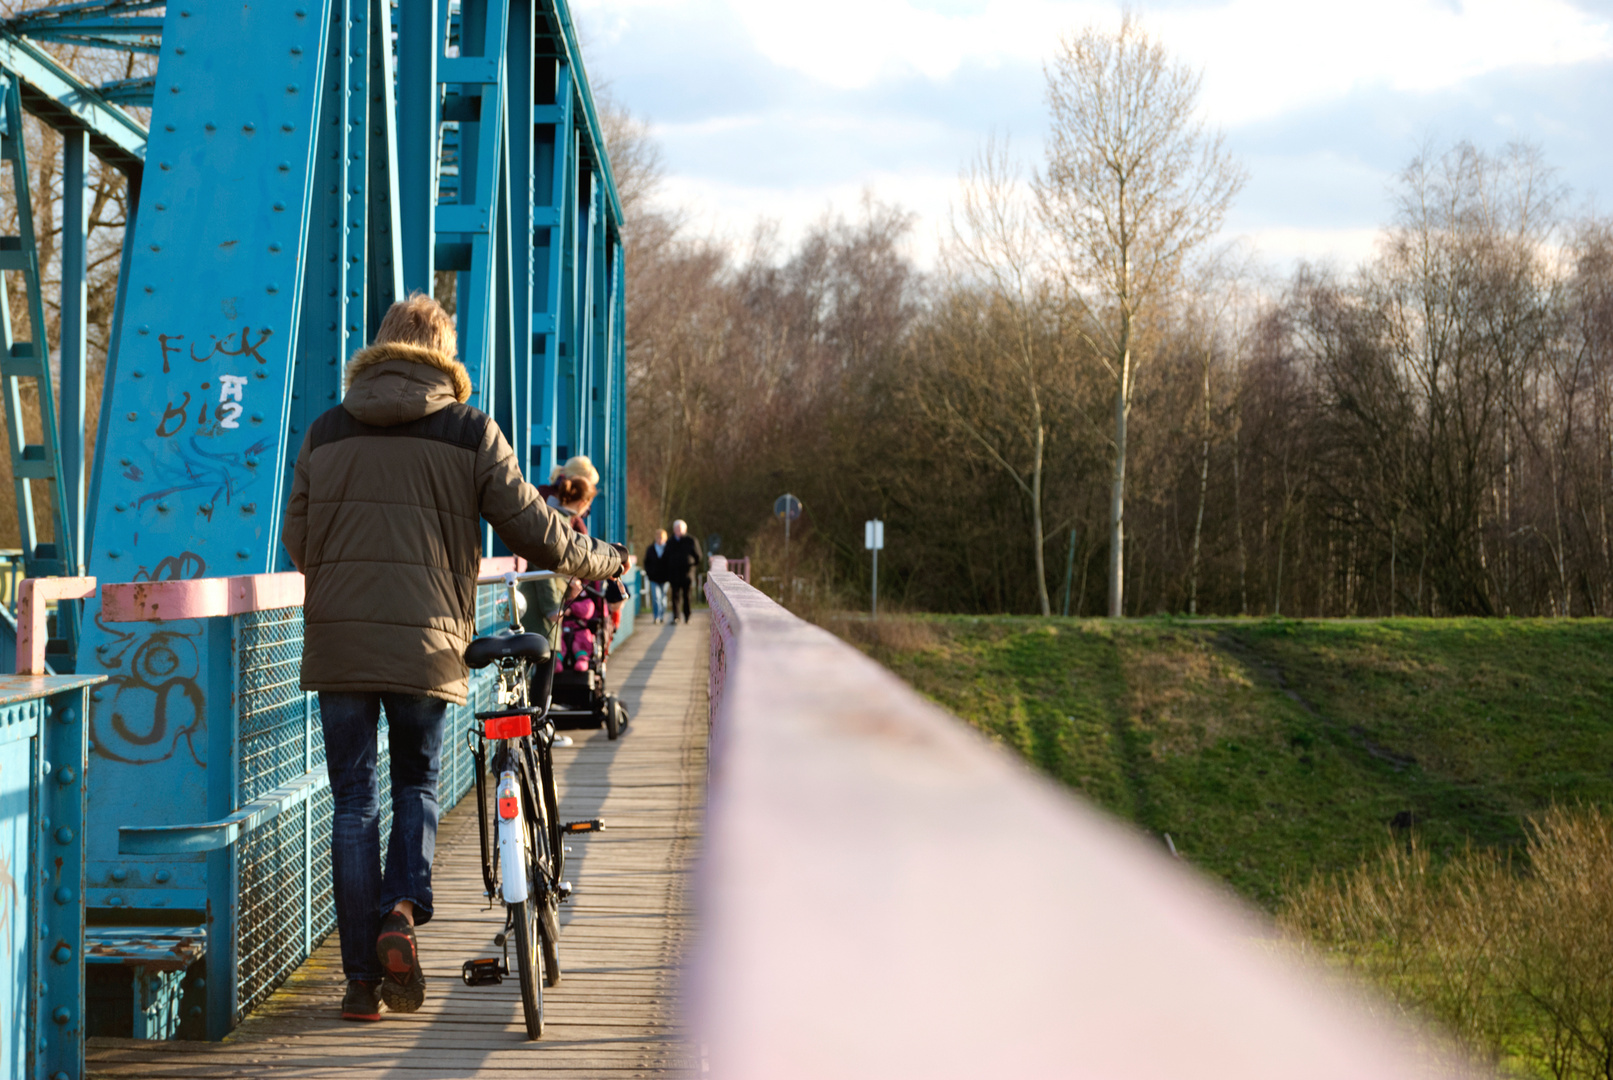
(523, 854)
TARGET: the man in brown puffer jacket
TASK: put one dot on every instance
(384, 521)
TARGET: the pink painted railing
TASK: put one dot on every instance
(34, 595)
(140, 601)
(885, 895)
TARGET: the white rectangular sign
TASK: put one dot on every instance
(873, 535)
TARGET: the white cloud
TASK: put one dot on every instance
(1260, 57)
(734, 210)
(1263, 58)
(864, 106)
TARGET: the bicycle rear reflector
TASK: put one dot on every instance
(511, 726)
(488, 971)
(583, 826)
(509, 800)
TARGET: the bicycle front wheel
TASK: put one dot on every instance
(529, 959)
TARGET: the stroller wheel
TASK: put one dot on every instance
(613, 727)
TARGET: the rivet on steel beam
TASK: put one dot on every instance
(134, 416)
(119, 874)
(274, 247)
(66, 776)
(288, 127)
(111, 555)
(210, 126)
(168, 127)
(147, 329)
(163, 877)
(156, 247)
(301, 13)
(184, 14)
(260, 373)
(151, 288)
(163, 165)
(272, 287)
(64, 895)
(179, 50)
(291, 88)
(63, 953)
(243, 554)
(60, 1076)
(294, 429)
(249, 128)
(67, 715)
(115, 901)
(62, 1014)
(138, 374)
(65, 834)
(279, 206)
(174, 89)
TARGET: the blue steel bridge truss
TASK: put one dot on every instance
(307, 163)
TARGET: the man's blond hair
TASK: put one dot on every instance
(420, 321)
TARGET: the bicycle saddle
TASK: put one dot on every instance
(505, 645)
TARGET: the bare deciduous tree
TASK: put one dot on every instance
(997, 243)
(1134, 186)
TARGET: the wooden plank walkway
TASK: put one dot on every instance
(623, 933)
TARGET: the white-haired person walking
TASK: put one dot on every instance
(680, 565)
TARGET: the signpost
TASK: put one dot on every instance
(788, 507)
(873, 540)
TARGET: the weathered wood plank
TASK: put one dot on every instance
(614, 1014)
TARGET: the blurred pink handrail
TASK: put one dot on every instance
(885, 895)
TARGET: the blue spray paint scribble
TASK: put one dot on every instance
(192, 468)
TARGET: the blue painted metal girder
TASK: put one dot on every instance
(64, 101)
(194, 431)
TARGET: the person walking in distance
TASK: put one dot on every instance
(384, 521)
(681, 564)
(654, 557)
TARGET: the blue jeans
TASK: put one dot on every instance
(363, 891)
(658, 599)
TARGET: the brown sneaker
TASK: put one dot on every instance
(360, 1002)
(403, 987)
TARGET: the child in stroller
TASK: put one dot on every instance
(589, 624)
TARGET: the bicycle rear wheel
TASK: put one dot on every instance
(529, 961)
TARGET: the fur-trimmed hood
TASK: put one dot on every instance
(395, 383)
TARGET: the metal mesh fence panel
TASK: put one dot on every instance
(272, 905)
(271, 709)
(285, 901)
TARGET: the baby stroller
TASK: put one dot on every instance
(581, 695)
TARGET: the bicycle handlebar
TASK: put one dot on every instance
(503, 579)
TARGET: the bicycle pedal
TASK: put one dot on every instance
(572, 827)
(565, 891)
(500, 938)
(487, 971)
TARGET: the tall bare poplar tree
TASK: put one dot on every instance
(1134, 186)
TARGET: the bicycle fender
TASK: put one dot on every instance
(512, 859)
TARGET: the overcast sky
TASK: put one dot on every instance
(767, 109)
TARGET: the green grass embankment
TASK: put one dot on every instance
(1273, 749)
